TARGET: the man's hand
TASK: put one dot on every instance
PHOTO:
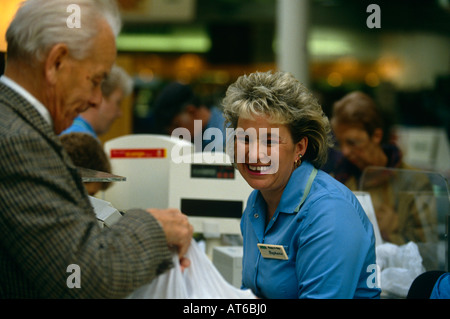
(177, 228)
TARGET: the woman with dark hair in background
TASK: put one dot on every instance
(363, 141)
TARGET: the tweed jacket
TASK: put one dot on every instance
(47, 223)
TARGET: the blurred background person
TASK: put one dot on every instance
(97, 120)
(178, 107)
(87, 152)
(362, 138)
(363, 141)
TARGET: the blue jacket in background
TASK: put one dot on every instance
(80, 125)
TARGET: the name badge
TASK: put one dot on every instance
(273, 251)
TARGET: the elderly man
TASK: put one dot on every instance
(48, 226)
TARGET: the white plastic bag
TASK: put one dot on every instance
(201, 280)
(399, 266)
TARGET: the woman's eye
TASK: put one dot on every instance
(270, 142)
(242, 139)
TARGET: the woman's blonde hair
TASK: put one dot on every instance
(284, 100)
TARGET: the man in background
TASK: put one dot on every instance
(178, 107)
(97, 120)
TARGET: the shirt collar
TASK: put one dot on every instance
(293, 192)
(30, 98)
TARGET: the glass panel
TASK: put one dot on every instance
(411, 205)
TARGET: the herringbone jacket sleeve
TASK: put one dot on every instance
(47, 224)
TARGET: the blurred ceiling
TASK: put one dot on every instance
(396, 15)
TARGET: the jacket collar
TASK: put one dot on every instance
(29, 97)
(25, 109)
(29, 114)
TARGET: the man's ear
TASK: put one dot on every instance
(56, 59)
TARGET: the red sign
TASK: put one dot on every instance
(139, 153)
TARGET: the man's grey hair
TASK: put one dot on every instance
(41, 24)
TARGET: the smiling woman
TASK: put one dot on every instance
(314, 221)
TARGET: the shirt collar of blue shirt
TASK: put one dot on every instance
(293, 192)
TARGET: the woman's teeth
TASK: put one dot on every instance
(258, 169)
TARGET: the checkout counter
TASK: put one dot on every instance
(163, 172)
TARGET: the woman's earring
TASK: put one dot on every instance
(298, 161)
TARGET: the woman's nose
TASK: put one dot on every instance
(253, 152)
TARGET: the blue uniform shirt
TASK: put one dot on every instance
(329, 242)
(441, 289)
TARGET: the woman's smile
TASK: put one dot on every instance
(258, 169)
